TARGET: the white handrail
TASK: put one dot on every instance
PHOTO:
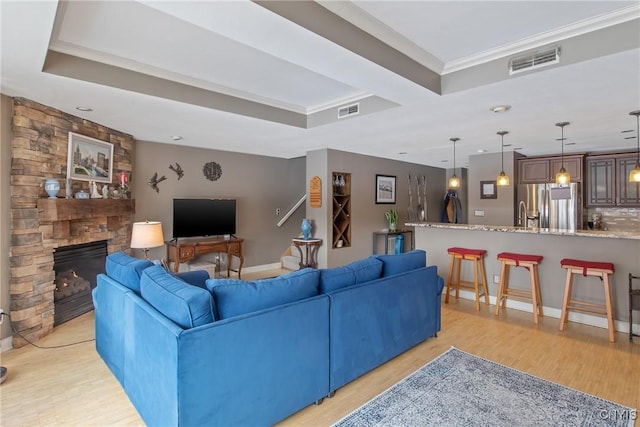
(292, 210)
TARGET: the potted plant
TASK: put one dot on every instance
(392, 217)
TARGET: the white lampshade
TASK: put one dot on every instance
(147, 235)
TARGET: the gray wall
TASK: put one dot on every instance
(486, 167)
(259, 184)
(6, 113)
(367, 216)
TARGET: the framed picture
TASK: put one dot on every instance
(89, 159)
(385, 189)
(488, 190)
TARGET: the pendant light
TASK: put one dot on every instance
(562, 177)
(634, 175)
(454, 181)
(503, 179)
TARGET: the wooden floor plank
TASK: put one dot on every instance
(71, 386)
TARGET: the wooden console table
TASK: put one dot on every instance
(185, 250)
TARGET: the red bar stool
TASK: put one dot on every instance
(588, 268)
(530, 262)
(475, 255)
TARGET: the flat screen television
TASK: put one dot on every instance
(203, 217)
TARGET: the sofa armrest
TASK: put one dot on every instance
(195, 278)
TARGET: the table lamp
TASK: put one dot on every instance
(145, 235)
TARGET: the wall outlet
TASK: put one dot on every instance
(277, 211)
(496, 278)
(1, 316)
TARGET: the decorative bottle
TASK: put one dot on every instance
(306, 228)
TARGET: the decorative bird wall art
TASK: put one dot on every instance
(153, 183)
(178, 170)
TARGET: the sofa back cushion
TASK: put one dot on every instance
(126, 269)
(394, 264)
(335, 278)
(235, 297)
(186, 305)
(361, 271)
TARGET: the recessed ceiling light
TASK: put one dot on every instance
(500, 108)
(627, 131)
(84, 109)
(569, 143)
(630, 137)
(444, 161)
(517, 148)
(402, 152)
(482, 150)
(507, 145)
(176, 137)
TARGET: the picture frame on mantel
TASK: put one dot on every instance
(385, 189)
(89, 159)
(488, 190)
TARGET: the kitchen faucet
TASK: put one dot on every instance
(522, 208)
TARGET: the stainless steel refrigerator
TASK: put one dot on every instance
(550, 206)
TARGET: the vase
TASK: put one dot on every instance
(306, 228)
(399, 244)
(52, 187)
(392, 226)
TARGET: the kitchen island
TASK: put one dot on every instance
(620, 248)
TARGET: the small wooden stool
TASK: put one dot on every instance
(530, 262)
(588, 268)
(475, 255)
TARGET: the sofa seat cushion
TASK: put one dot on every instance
(234, 297)
(394, 264)
(186, 305)
(361, 271)
(126, 269)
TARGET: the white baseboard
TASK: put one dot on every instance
(6, 344)
(585, 319)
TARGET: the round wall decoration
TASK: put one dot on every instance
(212, 171)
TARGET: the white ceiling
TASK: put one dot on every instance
(267, 77)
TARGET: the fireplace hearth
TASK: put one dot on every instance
(76, 268)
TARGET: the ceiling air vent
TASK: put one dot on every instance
(348, 110)
(535, 60)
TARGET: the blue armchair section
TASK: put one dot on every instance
(193, 351)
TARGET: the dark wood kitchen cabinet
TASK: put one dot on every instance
(608, 181)
(533, 170)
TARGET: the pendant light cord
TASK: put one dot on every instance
(454, 156)
(502, 152)
(637, 114)
(562, 125)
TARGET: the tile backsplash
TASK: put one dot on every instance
(618, 219)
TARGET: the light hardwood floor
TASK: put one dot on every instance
(72, 386)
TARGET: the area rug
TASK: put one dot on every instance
(460, 389)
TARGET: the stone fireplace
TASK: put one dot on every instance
(39, 225)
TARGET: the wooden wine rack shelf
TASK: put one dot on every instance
(341, 199)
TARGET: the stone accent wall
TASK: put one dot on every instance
(39, 151)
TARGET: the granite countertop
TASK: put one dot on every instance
(534, 230)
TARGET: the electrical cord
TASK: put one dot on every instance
(40, 346)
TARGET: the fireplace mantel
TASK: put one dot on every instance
(54, 210)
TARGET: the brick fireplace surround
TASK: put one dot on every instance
(39, 146)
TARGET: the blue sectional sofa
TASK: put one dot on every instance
(193, 351)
